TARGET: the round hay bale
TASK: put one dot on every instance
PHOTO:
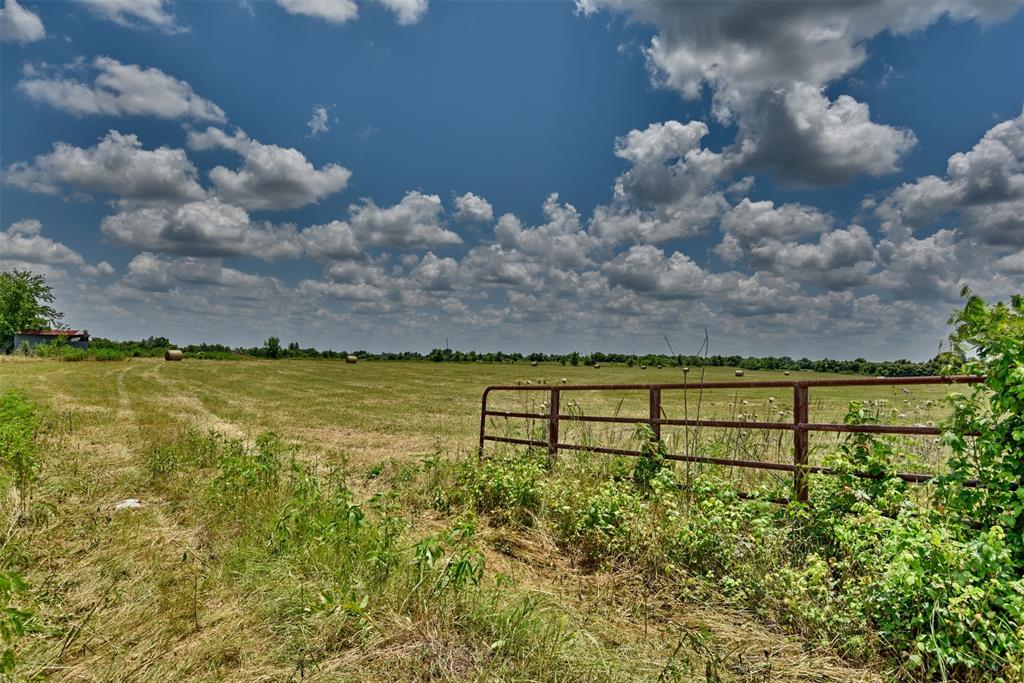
(533, 363)
(351, 359)
(173, 354)
(597, 366)
(685, 370)
(564, 380)
(786, 373)
(739, 373)
(643, 367)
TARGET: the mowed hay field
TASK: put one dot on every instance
(196, 585)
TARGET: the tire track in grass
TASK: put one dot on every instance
(120, 583)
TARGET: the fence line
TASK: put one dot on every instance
(800, 425)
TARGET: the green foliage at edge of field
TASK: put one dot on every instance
(935, 589)
(18, 469)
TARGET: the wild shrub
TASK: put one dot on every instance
(447, 561)
(18, 427)
(597, 523)
(995, 412)
(949, 606)
(245, 473)
(316, 512)
(507, 488)
(650, 469)
(864, 470)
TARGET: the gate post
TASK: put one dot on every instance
(655, 412)
(483, 423)
(553, 422)
(800, 413)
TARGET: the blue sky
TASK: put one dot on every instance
(799, 179)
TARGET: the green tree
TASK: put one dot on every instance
(25, 300)
(272, 347)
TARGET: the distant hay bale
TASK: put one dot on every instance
(739, 373)
(597, 366)
(686, 369)
(533, 363)
(786, 373)
(660, 366)
(351, 359)
(564, 380)
(643, 367)
(173, 354)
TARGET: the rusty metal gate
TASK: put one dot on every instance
(800, 425)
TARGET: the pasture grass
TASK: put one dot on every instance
(354, 544)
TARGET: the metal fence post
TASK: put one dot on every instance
(553, 423)
(800, 456)
(655, 413)
(483, 423)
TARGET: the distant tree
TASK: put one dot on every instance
(25, 300)
(272, 347)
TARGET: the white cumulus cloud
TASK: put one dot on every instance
(470, 208)
(270, 177)
(118, 90)
(203, 228)
(20, 25)
(24, 243)
(414, 221)
(116, 165)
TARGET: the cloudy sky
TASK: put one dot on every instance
(800, 178)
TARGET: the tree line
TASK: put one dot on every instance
(272, 348)
(26, 298)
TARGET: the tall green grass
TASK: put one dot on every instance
(18, 471)
(334, 573)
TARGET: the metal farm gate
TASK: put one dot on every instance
(800, 425)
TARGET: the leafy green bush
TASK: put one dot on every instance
(18, 426)
(995, 412)
(244, 473)
(59, 349)
(506, 488)
(107, 355)
(598, 523)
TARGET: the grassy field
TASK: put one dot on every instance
(186, 586)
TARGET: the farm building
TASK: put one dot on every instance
(79, 339)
